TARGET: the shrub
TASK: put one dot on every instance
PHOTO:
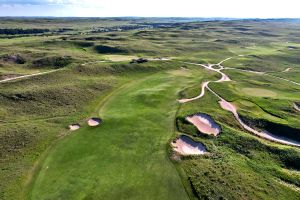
(54, 62)
(108, 49)
(14, 58)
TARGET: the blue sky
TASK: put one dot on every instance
(153, 8)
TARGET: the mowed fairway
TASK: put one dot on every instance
(259, 92)
(125, 157)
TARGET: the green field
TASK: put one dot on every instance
(124, 158)
(90, 73)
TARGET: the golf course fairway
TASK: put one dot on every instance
(125, 157)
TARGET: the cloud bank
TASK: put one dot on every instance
(153, 8)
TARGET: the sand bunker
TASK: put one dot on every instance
(184, 145)
(297, 106)
(287, 69)
(94, 121)
(205, 124)
(74, 127)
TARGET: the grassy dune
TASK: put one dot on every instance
(127, 156)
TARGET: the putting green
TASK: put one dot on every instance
(125, 157)
(119, 58)
(259, 92)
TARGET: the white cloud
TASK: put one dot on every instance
(163, 8)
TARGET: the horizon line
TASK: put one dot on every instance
(37, 16)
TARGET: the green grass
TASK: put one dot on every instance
(139, 116)
(126, 156)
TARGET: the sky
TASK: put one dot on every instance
(152, 8)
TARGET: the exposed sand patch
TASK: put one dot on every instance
(94, 121)
(184, 145)
(297, 106)
(291, 186)
(184, 68)
(287, 69)
(227, 106)
(74, 127)
(259, 92)
(205, 124)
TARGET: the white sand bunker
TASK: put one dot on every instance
(184, 145)
(94, 121)
(205, 124)
(297, 106)
(74, 127)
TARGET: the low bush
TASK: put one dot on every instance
(53, 62)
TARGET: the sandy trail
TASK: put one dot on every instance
(264, 134)
(27, 76)
(296, 83)
(51, 71)
(231, 108)
(263, 73)
(204, 85)
(245, 70)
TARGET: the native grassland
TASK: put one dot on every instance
(127, 156)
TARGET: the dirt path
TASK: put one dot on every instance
(296, 83)
(204, 85)
(27, 76)
(263, 73)
(263, 134)
(231, 108)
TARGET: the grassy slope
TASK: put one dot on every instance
(123, 158)
(265, 44)
(240, 166)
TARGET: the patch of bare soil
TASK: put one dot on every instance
(287, 69)
(74, 127)
(297, 106)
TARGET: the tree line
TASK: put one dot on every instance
(17, 31)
